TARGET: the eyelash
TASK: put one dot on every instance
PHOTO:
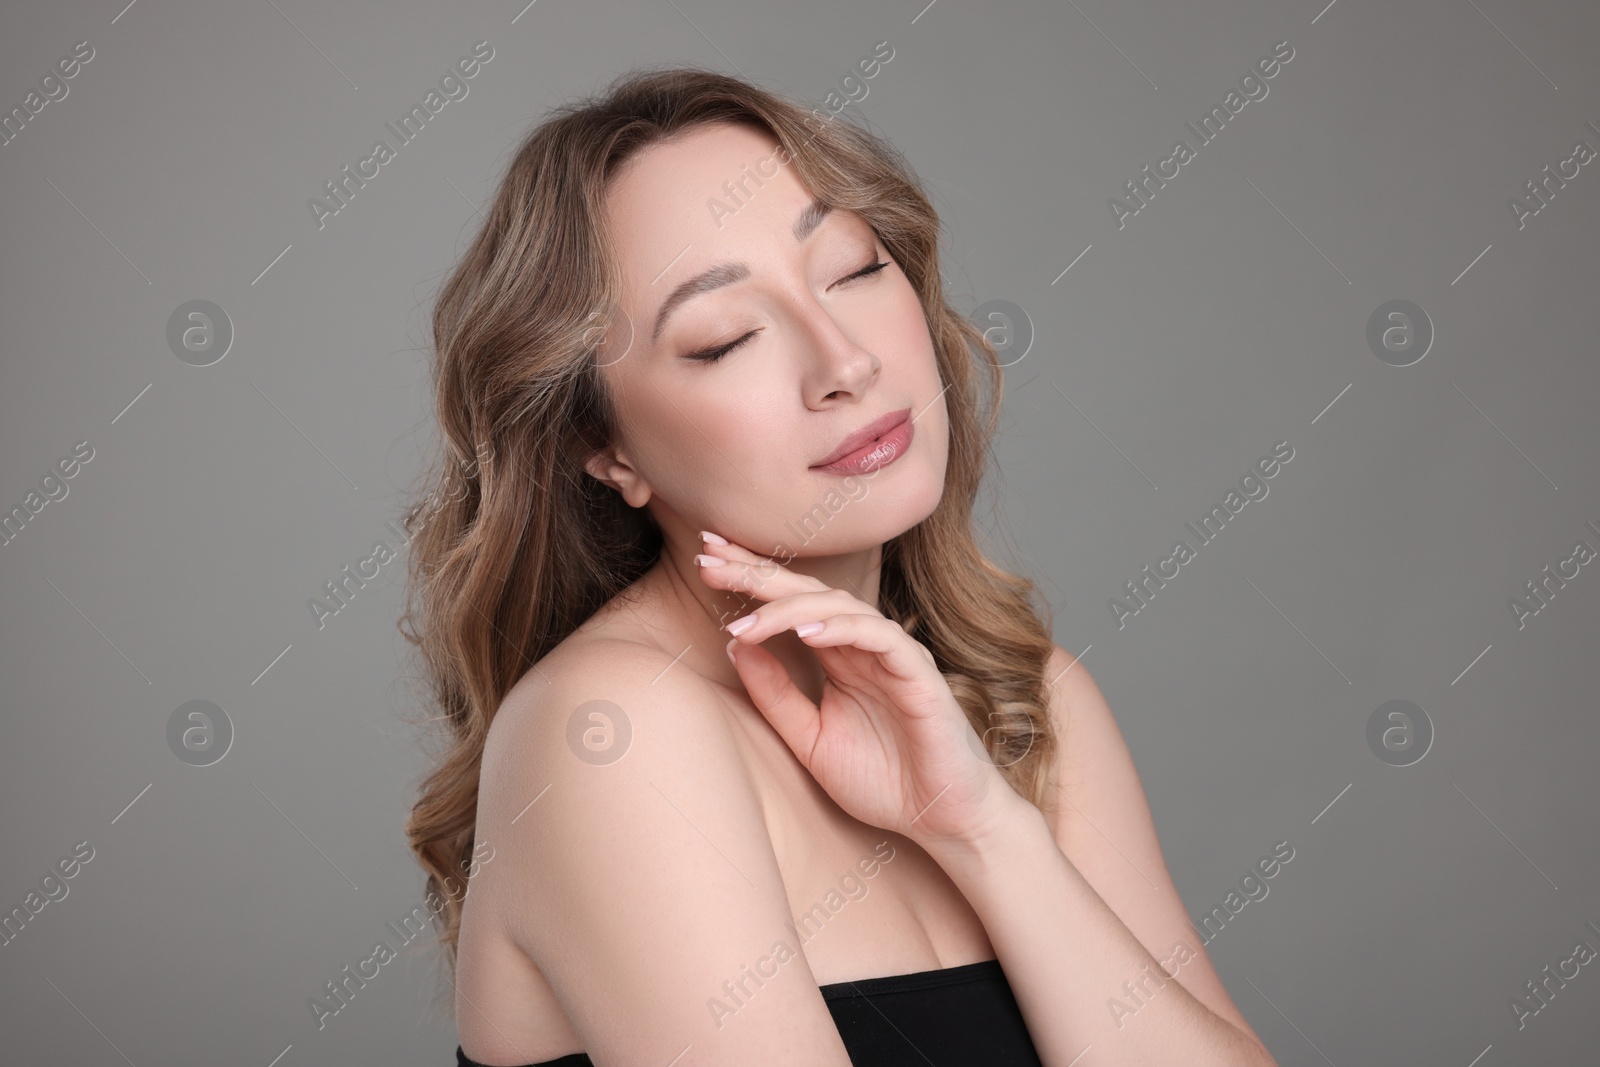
(711, 355)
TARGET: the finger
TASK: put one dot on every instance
(902, 655)
(737, 569)
(788, 612)
(791, 713)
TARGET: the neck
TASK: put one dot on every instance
(698, 612)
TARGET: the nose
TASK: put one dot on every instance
(836, 364)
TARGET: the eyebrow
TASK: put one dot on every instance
(727, 273)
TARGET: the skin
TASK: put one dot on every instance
(721, 455)
(727, 446)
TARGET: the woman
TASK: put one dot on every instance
(702, 337)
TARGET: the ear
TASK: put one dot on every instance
(613, 469)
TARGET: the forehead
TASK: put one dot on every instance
(698, 199)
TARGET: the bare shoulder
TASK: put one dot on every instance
(1105, 827)
(1076, 705)
(597, 718)
(1094, 778)
(639, 874)
(580, 706)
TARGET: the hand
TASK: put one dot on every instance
(889, 743)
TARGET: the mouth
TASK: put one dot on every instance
(875, 445)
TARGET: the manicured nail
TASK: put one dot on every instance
(739, 626)
(806, 629)
(711, 561)
(711, 538)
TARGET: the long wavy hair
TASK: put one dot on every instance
(515, 544)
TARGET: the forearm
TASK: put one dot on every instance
(1068, 956)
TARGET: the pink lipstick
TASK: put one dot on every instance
(875, 445)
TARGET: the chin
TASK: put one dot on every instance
(901, 503)
(858, 515)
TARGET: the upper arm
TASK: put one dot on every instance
(1104, 827)
(646, 888)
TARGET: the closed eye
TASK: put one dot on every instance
(711, 355)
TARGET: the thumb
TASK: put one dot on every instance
(791, 712)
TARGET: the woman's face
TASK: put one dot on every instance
(733, 445)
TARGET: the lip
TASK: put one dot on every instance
(864, 438)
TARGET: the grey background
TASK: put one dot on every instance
(1230, 314)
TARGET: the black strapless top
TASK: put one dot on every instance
(955, 1016)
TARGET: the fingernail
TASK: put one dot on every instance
(711, 538)
(711, 561)
(806, 629)
(728, 648)
(739, 626)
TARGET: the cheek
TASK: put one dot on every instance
(717, 442)
(679, 424)
(906, 333)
